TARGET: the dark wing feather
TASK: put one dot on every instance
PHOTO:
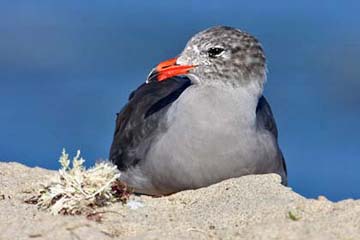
(265, 119)
(264, 116)
(140, 117)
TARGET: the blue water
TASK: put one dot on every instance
(66, 68)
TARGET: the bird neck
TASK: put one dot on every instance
(252, 86)
(223, 102)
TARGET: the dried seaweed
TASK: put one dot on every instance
(77, 190)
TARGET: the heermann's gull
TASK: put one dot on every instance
(213, 123)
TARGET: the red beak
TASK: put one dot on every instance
(168, 69)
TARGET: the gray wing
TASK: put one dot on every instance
(140, 117)
(264, 116)
(265, 119)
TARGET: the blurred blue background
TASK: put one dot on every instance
(66, 68)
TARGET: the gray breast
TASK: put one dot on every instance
(211, 135)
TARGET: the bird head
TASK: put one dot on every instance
(217, 55)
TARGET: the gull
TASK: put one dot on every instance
(200, 118)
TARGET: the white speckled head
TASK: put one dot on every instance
(224, 55)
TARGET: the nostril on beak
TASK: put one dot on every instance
(166, 66)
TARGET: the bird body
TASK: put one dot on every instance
(203, 129)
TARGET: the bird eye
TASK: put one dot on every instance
(215, 51)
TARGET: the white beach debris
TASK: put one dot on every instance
(133, 204)
(77, 190)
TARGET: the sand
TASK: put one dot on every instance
(250, 207)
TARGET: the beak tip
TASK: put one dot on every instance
(152, 76)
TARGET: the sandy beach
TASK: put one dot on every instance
(251, 207)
